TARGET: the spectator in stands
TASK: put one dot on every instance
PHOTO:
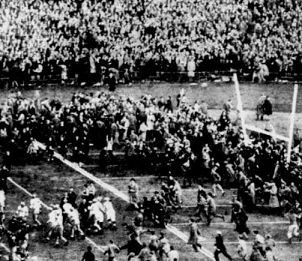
(75, 36)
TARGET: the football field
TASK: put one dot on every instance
(51, 180)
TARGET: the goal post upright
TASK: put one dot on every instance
(292, 123)
(240, 107)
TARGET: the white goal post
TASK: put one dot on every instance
(245, 126)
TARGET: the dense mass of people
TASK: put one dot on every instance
(80, 38)
(194, 146)
(110, 41)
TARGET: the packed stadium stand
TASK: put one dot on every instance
(140, 37)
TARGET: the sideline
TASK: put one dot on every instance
(49, 208)
(123, 196)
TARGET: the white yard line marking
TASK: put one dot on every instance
(194, 206)
(252, 242)
(49, 208)
(123, 196)
(228, 223)
(219, 205)
(236, 242)
(184, 190)
(128, 178)
(115, 153)
(26, 192)
(5, 247)
(88, 175)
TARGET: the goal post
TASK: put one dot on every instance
(292, 122)
(240, 108)
(273, 134)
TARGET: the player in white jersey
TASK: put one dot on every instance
(96, 214)
(2, 206)
(74, 220)
(22, 211)
(293, 227)
(56, 226)
(35, 207)
(51, 222)
(67, 208)
(110, 213)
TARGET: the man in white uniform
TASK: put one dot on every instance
(293, 227)
(35, 207)
(110, 213)
(56, 225)
(96, 214)
(74, 219)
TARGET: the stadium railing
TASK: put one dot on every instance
(155, 76)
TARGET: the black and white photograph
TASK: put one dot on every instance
(150, 130)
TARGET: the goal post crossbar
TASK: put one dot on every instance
(272, 134)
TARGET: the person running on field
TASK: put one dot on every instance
(35, 206)
(175, 192)
(220, 247)
(56, 226)
(88, 255)
(216, 180)
(201, 202)
(111, 250)
(293, 227)
(242, 248)
(164, 246)
(212, 209)
(133, 193)
(259, 242)
(240, 218)
(194, 234)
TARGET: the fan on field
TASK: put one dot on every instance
(264, 107)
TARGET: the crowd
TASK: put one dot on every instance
(106, 41)
(194, 145)
(80, 38)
